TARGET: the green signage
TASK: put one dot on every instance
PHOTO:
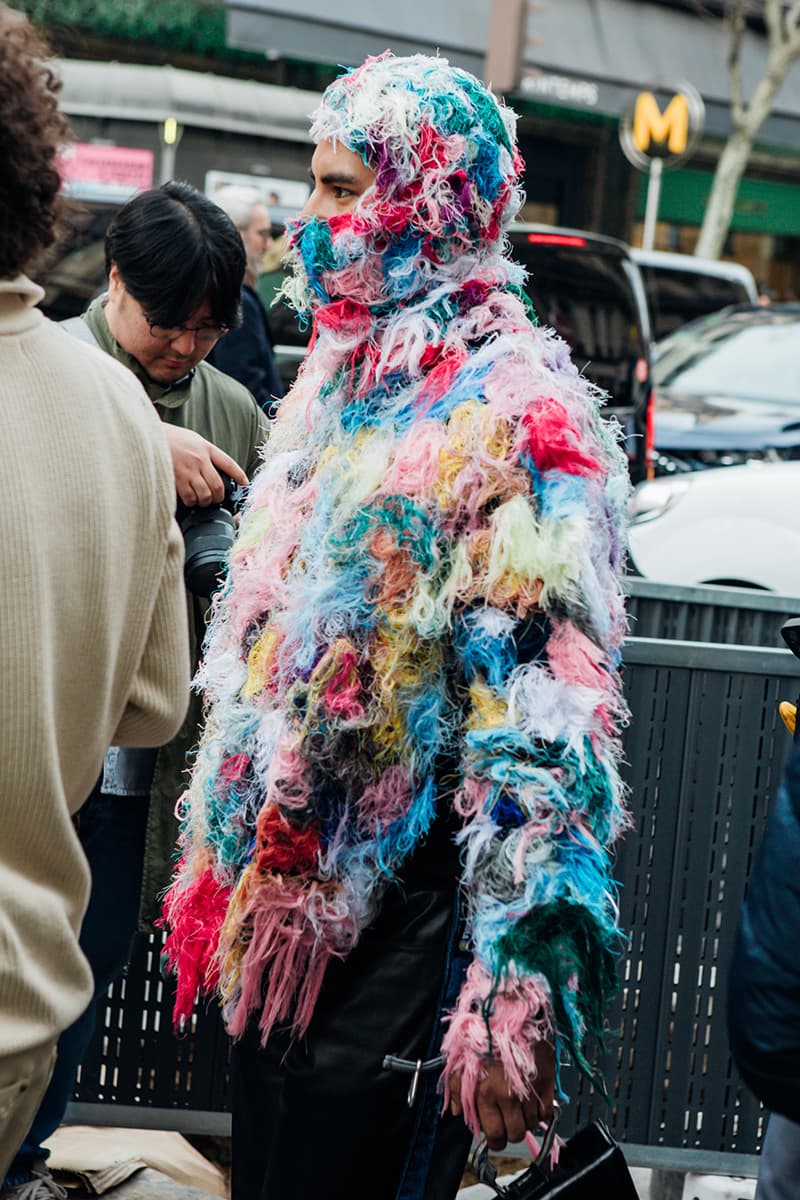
(762, 205)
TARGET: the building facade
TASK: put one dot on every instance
(580, 63)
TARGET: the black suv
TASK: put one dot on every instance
(589, 289)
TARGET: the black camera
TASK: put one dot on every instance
(208, 535)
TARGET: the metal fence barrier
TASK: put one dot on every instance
(705, 752)
(733, 616)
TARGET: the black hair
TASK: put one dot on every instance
(175, 248)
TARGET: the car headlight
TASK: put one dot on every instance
(653, 499)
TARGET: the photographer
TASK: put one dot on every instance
(175, 265)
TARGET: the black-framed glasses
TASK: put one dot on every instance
(203, 334)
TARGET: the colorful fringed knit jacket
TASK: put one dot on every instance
(427, 568)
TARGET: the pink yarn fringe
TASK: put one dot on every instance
(385, 800)
(576, 659)
(520, 1016)
(287, 949)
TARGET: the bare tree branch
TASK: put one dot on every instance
(738, 25)
(773, 19)
(782, 20)
(793, 23)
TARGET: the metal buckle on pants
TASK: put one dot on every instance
(392, 1063)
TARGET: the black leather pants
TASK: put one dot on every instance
(321, 1119)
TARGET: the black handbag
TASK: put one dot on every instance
(590, 1166)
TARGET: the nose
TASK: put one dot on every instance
(185, 343)
(313, 206)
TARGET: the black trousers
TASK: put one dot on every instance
(319, 1118)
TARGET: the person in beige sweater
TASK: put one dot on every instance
(93, 636)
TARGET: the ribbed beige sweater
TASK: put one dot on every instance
(93, 642)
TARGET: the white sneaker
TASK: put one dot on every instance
(40, 1186)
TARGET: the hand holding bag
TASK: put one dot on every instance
(590, 1166)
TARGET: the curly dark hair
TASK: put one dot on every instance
(31, 132)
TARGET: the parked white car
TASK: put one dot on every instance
(738, 526)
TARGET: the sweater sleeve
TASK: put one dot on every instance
(159, 692)
(541, 799)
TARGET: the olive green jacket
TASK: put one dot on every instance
(224, 412)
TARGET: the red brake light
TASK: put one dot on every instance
(650, 438)
(556, 239)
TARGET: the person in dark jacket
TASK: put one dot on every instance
(246, 352)
(764, 989)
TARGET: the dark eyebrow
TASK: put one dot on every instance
(334, 177)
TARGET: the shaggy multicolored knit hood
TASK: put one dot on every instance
(446, 184)
(427, 571)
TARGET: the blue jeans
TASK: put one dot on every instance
(112, 833)
(779, 1170)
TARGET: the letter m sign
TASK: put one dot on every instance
(651, 127)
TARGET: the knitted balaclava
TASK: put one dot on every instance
(446, 184)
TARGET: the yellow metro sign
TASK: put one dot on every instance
(651, 125)
(667, 129)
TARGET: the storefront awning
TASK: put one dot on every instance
(637, 44)
(579, 54)
(348, 31)
(125, 91)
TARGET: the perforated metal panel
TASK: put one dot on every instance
(705, 752)
(731, 616)
(135, 1058)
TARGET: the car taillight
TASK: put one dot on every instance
(650, 437)
(555, 239)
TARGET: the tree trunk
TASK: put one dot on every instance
(719, 209)
(733, 160)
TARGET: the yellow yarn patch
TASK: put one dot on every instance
(260, 662)
(488, 709)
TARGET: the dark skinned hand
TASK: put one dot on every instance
(502, 1116)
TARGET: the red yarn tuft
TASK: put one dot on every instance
(282, 848)
(440, 378)
(194, 914)
(554, 443)
(432, 148)
(344, 314)
(234, 768)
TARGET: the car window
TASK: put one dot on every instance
(749, 359)
(676, 297)
(587, 295)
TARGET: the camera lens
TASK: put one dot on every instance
(208, 535)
